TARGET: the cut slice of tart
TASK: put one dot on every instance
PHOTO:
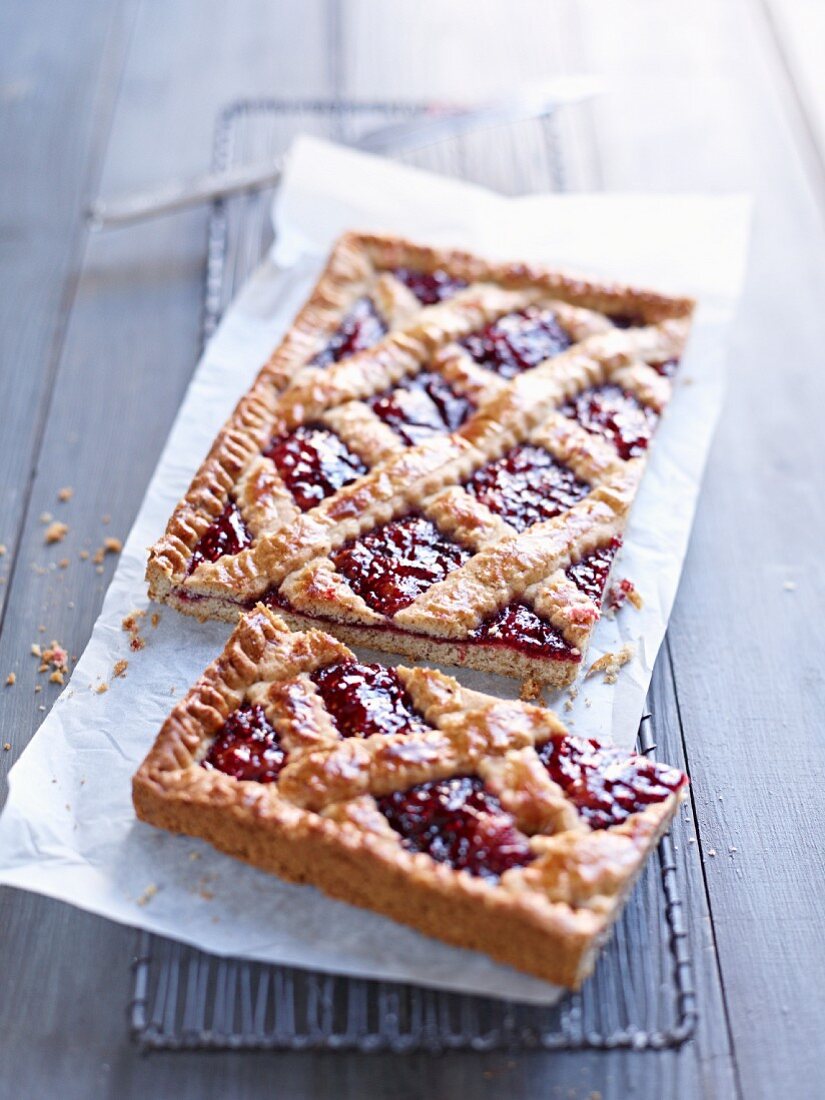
(445, 469)
(475, 820)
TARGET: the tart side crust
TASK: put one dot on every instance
(547, 919)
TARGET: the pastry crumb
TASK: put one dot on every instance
(624, 591)
(11, 679)
(36, 651)
(46, 517)
(55, 532)
(711, 851)
(568, 704)
(38, 688)
(66, 493)
(147, 894)
(2, 549)
(83, 555)
(7, 746)
(194, 855)
(112, 546)
(105, 518)
(131, 624)
(789, 586)
(120, 668)
(63, 563)
(155, 619)
(101, 689)
(530, 690)
(610, 663)
(56, 677)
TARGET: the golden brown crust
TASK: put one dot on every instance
(290, 550)
(319, 823)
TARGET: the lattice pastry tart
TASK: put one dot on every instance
(439, 460)
(479, 821)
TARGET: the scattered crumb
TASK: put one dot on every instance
(147, 894)
(131, 624)
(624, 590)
(112, 545)
(56, 677)
(711, 851)
(530, 690)
(120, 668)
(610, 663)
(36, 651)
(6, 746)
(55, 532)
(65, 493)
(11, 679)
(83, 555)
(46, 517)
(588, 702)
(568, 704)
(101, 689)
(732, 849)
(38, 688)
(106, 518)
(41, 707)
(155, 619)
(194, 855)
(63, 563)
(789, 586)
(2, 549)
(54, 657)
(41, 629)
(691, 840)
(99, 569)
(207, 895)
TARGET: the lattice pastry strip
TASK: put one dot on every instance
(479, 821)
(502, 413)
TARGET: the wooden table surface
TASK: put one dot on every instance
(99, 339)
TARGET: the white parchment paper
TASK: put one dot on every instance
(68, 829)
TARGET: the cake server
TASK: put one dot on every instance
(434, 125)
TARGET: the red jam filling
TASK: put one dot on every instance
(615, 415)
(429, 287)
(392, 565)
(627, 320)
(605, 784)
(517, 626)
(422, 406)
(590, 574)
(225, 535)
(667, 369)
(526, 486)
(458, 822)
(359, 330)
(247, 747)
(314, 463)
(517, 342)
(363, 700)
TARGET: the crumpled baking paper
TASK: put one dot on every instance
(69, 830)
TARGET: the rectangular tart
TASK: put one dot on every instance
(475, 820)
(439, 460)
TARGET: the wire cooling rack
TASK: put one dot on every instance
(641, 996)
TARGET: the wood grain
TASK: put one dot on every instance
(746, 648)
(96, 358)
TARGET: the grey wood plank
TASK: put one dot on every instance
(746, 650)
(647, 143)
(54, 109)
(796, 29)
